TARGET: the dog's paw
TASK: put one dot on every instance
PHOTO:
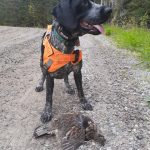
(70, 91)
(46, 116)
(87, 106)
(39, 88)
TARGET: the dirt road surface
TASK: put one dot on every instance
(113, 82)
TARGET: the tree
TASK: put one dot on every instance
(26, 12)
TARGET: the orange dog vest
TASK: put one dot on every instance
(53, 59)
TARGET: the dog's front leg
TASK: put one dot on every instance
(78, 80)
(47, 113)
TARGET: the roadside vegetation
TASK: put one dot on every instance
(135, 39)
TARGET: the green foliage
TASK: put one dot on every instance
(131, 12)
(144, 20)
(148, 101)
(35, 13)
(38, 12)
(135, 39)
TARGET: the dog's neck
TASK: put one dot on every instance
(61, 39)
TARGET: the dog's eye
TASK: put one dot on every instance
(83, 6)
(85, 3)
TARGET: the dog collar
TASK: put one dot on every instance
(62, 31)
(58, 36)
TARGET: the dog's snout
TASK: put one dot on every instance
(108, 10)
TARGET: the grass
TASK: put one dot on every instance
(148, 101)
(135, 39)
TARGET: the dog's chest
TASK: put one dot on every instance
(66, 70)
(63, 72)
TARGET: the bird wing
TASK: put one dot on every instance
(73, 138)
(43, 130)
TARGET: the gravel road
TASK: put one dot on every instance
(116, 86)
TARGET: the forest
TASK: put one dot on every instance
(37, 13)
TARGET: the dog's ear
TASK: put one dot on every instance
(65, 14)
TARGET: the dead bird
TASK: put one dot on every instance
(73, 129)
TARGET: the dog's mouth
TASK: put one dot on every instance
(92, 28)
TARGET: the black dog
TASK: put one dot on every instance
(72, 18)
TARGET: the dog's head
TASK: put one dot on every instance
(81, 15)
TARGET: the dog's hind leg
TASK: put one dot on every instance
(69, 89)
(41, 81)
(47, 113)
(40, 84)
